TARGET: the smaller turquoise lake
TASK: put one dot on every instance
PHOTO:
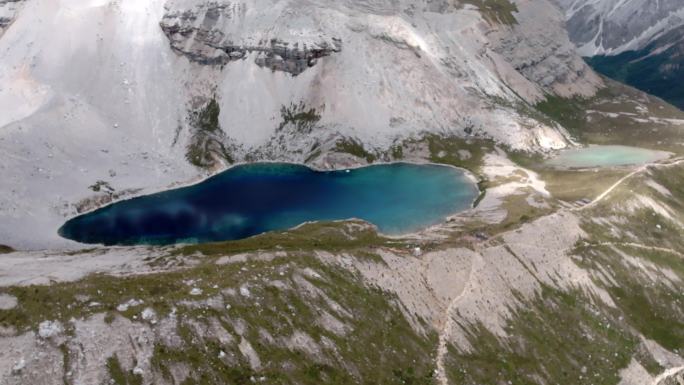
(251, 199)
(605, 156)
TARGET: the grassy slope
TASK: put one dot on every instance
(496, 11)
(206, 148)
(379, 347)
(559, 337)
(389, 353)
(611, 116)
(571, 337)
(650, 305)
(616, 115)
(5, 249)
(566, 337)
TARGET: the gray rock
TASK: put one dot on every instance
(614, 26)
(203, 34)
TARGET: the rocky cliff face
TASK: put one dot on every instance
(614, 26)
(203, 34)
(653, 68)
(638, 42)
(122, 82)
(542, 53)
(383, 70)
(8, 10)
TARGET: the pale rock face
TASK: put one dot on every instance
(8, 11)
(379, 71)
(49, 329)
(7, 302)
(610, 27)
(149, 315)
(544, 55)
(100, 90)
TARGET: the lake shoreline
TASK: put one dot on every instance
(599, 156)
(193, 182)
(455, 190)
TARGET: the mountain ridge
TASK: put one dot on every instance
(611, 27)
(80, 85)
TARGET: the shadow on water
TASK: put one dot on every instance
(252, 199)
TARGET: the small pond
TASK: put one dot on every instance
(605, 156)
(251, 199)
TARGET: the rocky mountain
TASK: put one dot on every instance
(8, 11)
(638, 42)
(611, 27)
(555, 275)
(656, 68)
(582, 293)
(161, 92)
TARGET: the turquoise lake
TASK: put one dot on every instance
(605, 156)
(251, 199)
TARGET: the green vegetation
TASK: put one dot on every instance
(328, 236)
(301, 117)
(315, 154)
(649, 305)
(652, 316)
(379, 346)
(575, 185)
(569, 113)
(6, 249)
(643, 283)
(643, 224)
(374, 343)
(160, 291)
(650, 69)
(202, 152)
(617, 114)
(459, 152)
(66, 362)
(397, 152)
(206, 148)
(120, 376)
(482, 187)
(558, 338)
(496, 11)
(207, 119)
(519, 212)
(356, 148)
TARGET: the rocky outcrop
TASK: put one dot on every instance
(671, 377)
(107, 78)
(613, 26)
(637, 42)
(8, 11)
(543, 54)
(202, 33)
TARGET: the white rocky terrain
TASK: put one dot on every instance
(554, 276)
(637, 42)
(539, 303)
(106, 91)
(610, 27)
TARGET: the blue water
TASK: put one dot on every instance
(252, 199)
(605, 156)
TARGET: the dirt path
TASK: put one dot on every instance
(447, 328)
(638, 170)
(639, 246)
